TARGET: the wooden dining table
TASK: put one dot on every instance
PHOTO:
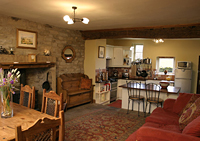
(23, 116)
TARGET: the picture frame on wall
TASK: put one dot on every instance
(26, 39)
(31, 57)
(101, 52)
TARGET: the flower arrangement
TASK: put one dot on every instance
(6, 86)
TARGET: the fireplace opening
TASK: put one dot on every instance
(22, 80)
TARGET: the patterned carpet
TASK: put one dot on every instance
(103, 125)
(117, 104)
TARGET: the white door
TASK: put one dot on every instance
(181, 73)
(117, 57)
(185, 85)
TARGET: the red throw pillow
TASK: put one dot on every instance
(193, 128)
(181, 101)
(190, 102)
(190, 114)
(85, 83)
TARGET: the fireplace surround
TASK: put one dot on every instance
(33, 73)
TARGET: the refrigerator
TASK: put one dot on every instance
(183, 79)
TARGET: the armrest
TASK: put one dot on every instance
(156, 134)
(168, 104)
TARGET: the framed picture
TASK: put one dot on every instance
(101, 52)
(26, 39)
(31, 57)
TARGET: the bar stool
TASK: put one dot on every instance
(134, 94)
(153, 95)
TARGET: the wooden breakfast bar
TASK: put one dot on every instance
(170, 92)
(23, 116)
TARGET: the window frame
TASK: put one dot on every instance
(157, 64)
(134, 51)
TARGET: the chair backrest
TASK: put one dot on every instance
(134, 92)
(153, 91)
(27, 96)
(52, 103)
(42, 130)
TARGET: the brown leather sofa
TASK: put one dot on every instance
(73, 95)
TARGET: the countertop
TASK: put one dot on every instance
(146, 79)
(169, 90)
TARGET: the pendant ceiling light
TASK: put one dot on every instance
(158, 40)
(69, 20)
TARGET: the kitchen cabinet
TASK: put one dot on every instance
(109, 52)
(102, 92)
(115, 57)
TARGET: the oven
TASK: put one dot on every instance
(113, 91)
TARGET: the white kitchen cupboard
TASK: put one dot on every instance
(102, 94)
(115, 57)
(109, 52)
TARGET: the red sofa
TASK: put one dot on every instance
(163, 123)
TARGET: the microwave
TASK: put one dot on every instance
(184, 65)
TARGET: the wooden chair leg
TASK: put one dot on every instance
(146, 109)
(128, 105)
(149, 107)
(138, 108)
(143, 109)
(132, 104)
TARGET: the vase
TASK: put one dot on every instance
(7, 103)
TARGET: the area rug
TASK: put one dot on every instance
(103, 125)
(116, 104)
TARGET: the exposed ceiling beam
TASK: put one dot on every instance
(166, 32)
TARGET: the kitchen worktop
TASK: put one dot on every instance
(169, 90)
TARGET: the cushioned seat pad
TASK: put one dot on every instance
(159, 115)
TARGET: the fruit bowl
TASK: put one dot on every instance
(164, 85)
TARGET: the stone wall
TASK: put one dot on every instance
(48, 37)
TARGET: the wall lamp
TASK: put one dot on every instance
(69, 20)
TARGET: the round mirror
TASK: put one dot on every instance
(68, 54)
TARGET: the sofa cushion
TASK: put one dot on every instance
(190, 102)
(193, 128)
(181, 101)
(190, 114)
(162, 116)
(174, 128)
(85, 83)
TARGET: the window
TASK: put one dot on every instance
(137, 52)
(165, 63)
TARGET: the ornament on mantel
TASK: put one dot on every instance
(47, 52)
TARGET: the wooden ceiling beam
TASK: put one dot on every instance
(165, 32)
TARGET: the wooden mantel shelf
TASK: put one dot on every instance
(23, 65)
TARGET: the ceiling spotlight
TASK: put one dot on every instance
(69, 20)
(158, 40)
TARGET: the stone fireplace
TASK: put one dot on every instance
(33, 73)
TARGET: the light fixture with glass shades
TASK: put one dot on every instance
(69, 20)
(158, 40)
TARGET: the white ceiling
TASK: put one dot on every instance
(105, 14)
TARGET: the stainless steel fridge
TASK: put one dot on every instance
(183, 79)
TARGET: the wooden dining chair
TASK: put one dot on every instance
(153, 95)
(134, 95)
(42, 130)
(52, 103)
(27, 96)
